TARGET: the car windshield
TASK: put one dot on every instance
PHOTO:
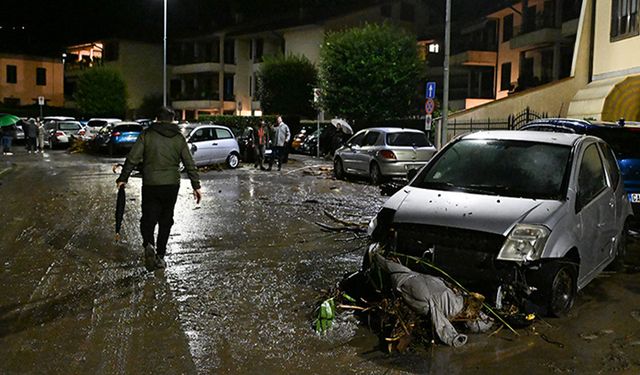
(500, 167)
(407, 139)
(69, 126)
(623, 141)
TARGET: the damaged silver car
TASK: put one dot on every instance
(527, 218)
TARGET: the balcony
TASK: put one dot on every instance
(535, 31)
(474, 58)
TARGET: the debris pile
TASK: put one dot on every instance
(405, 307)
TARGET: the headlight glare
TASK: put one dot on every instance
(525, 243)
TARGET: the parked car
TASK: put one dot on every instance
(381, 153)
(624, 140)
(118, 136)
(211, 144)
(527, 217)
(94, 126)
(62, 132)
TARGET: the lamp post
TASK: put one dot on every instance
(164, 61)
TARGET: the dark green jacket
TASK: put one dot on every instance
(160, 149)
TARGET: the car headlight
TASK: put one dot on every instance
(525, 243)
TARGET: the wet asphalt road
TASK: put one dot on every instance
(245, 270)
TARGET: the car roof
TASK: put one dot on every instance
(393, 130)
(126, 123)
(106, 119)
(566, 139)
(58, 118)
(195, 126)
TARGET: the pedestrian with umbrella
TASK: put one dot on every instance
(8, 131)
(159, 149)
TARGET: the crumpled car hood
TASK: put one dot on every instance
(486, 213)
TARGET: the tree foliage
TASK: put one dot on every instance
(370, 73)
(101, 92)
(286, 85)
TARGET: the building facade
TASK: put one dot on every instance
(24, 78)
(216, 73)
(139, 63)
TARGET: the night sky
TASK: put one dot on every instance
(45, 27)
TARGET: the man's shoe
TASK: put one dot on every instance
(149, 256)
(160, 263)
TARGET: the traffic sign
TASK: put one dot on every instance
(428, 120)
(431, 90)
(429, 106)
(40, 100)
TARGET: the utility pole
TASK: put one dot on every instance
(164, 61)
(445, 92)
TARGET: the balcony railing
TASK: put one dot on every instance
(538, 22)
(196, 95)
(70, 66)
(473, 45)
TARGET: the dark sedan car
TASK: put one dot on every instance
(119, 136)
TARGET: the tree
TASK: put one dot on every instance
(286, 85)
(101, 92)
(370, 73)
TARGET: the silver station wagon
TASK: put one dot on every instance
(380, 153)
(525, 217)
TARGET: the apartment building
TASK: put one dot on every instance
(139, 63)
(604, 77)
(216, 73)
(24, 78)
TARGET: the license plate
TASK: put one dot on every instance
(413, 166)
(634, 197)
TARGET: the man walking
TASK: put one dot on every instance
(282, 138)
(159, 150)
(261, 139)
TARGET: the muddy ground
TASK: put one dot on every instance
(245, 270)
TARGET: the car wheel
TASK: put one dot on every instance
(556, 284)
(233, 161)
(374, 174)
(338, 170)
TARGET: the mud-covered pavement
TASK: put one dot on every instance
(245, 270)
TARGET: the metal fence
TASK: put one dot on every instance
(512, 122)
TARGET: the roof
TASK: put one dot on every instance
(566, 139)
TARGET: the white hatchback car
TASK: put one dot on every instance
(212, 144)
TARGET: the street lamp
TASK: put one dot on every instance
(164, 61)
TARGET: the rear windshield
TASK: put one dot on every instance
(625, 142)
(407, 139)
(97, 123)
(69, 126)
(128, 128)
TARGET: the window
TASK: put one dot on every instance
(229, 52)
(507, 28)
(357, 139)
(505, 76)
(612, 165)
(41, 76)
(12, 74)
(259, 49)
(204, 134)
(591, 180)
(228, 87)
(223, 134)
(624, 18)
(370, 139)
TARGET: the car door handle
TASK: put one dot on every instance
(214, 144)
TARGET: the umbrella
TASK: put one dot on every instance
(120, 202)
(8, 120)
(340, 123)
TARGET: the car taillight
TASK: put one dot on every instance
(115, 134)
(59, 134)
(387, 154)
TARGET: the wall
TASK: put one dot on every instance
(304, 41)
(141, 67)
(616, 58)
(26, 89)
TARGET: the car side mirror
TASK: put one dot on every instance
(411, 173)
(194, 148)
